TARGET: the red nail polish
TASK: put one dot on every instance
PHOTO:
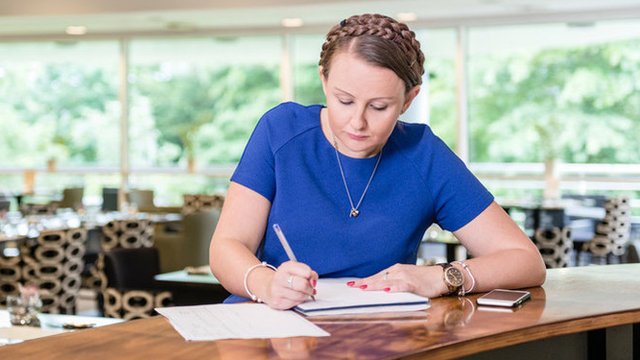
(350, 283)
(314, 291)
(387, 289)
(314, 282)
(363, 286)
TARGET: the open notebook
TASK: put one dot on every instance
(334, 297)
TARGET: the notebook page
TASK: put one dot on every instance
(335, 297)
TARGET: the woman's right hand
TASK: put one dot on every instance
(292, 284)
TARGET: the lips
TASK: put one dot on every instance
(357, 137)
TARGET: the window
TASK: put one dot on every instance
(198, 99)
(436, 103)
(306, 55)
(567, 92)
(59, 104)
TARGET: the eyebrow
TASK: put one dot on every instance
(377, 98)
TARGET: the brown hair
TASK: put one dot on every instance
(379, 40)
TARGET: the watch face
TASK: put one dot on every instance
(454, 276)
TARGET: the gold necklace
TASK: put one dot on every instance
(354, 209)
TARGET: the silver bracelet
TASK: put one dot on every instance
(246, 275)
(473, 279)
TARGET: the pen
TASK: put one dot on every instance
(285, 245)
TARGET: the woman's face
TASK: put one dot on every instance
(363, 104)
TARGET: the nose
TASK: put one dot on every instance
(358, 119)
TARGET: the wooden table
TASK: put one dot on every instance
(590, 303)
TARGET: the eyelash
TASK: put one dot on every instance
(377, 108)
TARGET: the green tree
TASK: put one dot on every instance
(210, 113)
(49, 102)
(577, 104)
(308, 85)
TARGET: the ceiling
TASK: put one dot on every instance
(46, 18)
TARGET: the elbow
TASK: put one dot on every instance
(539, 270)
(212, 255)
(540, 276)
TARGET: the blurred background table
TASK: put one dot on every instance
(193, 286)
(50, 324)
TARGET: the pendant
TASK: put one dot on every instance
(354, 213)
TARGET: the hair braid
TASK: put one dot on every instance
(399, 50)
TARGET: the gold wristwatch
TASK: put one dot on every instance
(453, 278)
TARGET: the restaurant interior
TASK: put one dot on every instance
(122, 122)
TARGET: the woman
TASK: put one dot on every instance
(354, 189)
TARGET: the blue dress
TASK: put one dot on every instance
(419, 181)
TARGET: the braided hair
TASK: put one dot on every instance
(379, 40)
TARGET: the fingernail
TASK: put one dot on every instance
(363, 286)
(350, 283)
(387, 289)
(314, 291)
(314, 282)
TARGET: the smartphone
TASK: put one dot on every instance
(506, 298)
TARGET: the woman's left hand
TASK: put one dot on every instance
(422, 280)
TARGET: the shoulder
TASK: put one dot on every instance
(425, 151)
(293, 108)
(293, 114)
(288, 120)
(413, 129)
(411, 138)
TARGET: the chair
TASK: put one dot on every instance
(5, 205)
(10, 276)
(552, 237)
(129, 291)
(116, 234)
(198, 202)
(27, 209)
(110, 199)
(71, 198)
(190, 245)
(612, 234)
(124, 270)
(127, 233)
(555, 246)
(631, 255)
(143, 199)
(53, 263)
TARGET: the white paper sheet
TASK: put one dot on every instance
(334, 297)
(237, 321)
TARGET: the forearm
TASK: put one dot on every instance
(503, 256)
(230, 260)
(513, 268)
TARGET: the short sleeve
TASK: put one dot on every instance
(458, 196)
(256, 167)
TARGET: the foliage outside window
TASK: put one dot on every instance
(61, 107)
(306, 55)
(555, 92)
(536, 92)
(199, 98)
(439, 82)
